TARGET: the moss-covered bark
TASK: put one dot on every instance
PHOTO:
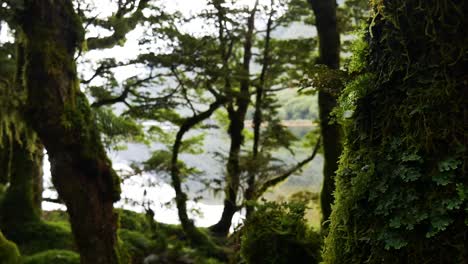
(402, 185)
(329, 55)
(61, 116)
(4, 163)
(20, 154)
(18, 206)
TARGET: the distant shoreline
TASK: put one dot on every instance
(288, 123)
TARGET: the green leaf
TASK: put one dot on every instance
(448, 164)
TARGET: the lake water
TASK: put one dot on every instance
(153, 190)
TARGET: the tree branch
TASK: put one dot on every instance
(285, 175)
(121, 98)
(121, 26)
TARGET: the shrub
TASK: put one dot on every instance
(277, 234)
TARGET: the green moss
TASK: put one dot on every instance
(18, 204)
(401, 187)
(9, 253)
(80, 121)
(53, 257)
(39, 236)
(136, 244)
(134, 221)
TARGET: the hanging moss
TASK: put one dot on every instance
(9, 253)
(402, 186)
(19, 209)
(18, 205)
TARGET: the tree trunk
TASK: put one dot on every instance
(233, 175)
(38, 173)
(197, 238)
(21, 154)
(402, 185)
(61, 116)
(258, 117)
(4, 161)
(236, 128)
(329, 55)
(19, 207)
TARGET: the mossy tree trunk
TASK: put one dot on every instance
(329, 55)
(4, 162)
(21, 155)
(37, 174)
(402, 185)
(61, 116)
(19, 206)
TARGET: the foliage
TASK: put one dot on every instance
(134, 221)
(137, 244)
(9, 253)
(116, 129)
(278, 234)
(401, 186)
(53, 256)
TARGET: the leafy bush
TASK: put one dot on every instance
(277, 234)
(53, 256)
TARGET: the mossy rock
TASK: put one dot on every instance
(54, 256)
(40, 236)
(9, 253)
